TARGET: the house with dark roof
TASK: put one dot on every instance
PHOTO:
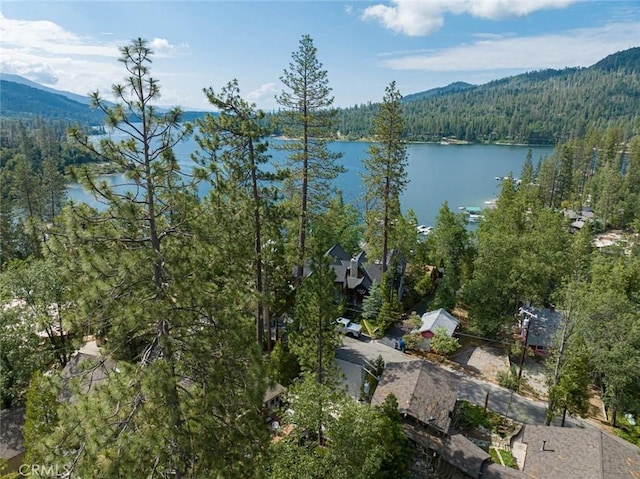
(578, 219)
(355, 275)
(540, 327)
(11, 440)
(580, 453)
(426, 393)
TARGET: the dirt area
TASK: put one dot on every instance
(488, 361)
(613, 237)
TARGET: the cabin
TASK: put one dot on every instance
(539, 328)
(431, 321)
(355, 275)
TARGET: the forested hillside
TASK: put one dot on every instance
(203, 289)
(540, 107)
(22, 101)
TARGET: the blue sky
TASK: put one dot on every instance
(363, 45)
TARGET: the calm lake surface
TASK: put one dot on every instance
(463, 175)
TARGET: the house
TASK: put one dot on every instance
(431, 321)
(578, 219)
(11, 440)
(273, 397)
(426, 394)
(580, 453)
(540, 327)
(89, 368)
(464, 455)
(355, 275)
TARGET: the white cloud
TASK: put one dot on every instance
(44, 52)
(580, 47)
(266, 90)
(422, 17)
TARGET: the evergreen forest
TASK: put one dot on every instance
(200, 304)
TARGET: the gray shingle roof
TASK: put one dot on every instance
(578, 453)
(11, 423)
(464, 455)
(544, 326)
(90, 371)
(433, 320)
(423, 391)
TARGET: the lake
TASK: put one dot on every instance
(463, 175)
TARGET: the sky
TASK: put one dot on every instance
(363, 45)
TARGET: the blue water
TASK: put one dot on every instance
(463, 175)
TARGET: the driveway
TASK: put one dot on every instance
(354, 354)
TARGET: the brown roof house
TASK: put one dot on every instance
(427, 397)
(11, 441)
(426, 393)
(572, 452)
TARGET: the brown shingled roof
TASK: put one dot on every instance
(578, 453)
(424, 391)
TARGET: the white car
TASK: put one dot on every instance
(348, 327)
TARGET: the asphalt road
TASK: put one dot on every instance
(355, 353)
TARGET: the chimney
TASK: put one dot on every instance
(544, 442)
(353, 268)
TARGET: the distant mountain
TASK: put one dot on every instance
(25, 81)
(539, 107)
(22, 98)
(451, 88)
(21, 101)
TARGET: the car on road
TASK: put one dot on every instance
(348, 327)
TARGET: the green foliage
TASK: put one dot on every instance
(508, 378)
(158, 276)
(361, 442)
(414, 320)
(283, 365)
(314, 336)
(425, 286)
(442, 343)
(385, 178)
(507, 457)
(412, 340)
(308, 119)
(540, 107)
(472, 416)
(372, 303)
(41, 417)
(370, 328)
(339, 224)
(241, 190)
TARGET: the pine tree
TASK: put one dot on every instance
(185, 397)
(315, 336)
(308, 120)
(235, 141)
(386, 175)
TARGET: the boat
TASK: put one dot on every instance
(473, 218)
(425, 230)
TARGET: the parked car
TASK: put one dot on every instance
(348, 327)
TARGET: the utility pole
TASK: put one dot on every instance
(525, 326)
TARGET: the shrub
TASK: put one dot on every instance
(508, 378)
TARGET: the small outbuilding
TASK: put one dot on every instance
(431, 321)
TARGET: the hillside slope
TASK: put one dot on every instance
(22, 101)
(540, 107)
